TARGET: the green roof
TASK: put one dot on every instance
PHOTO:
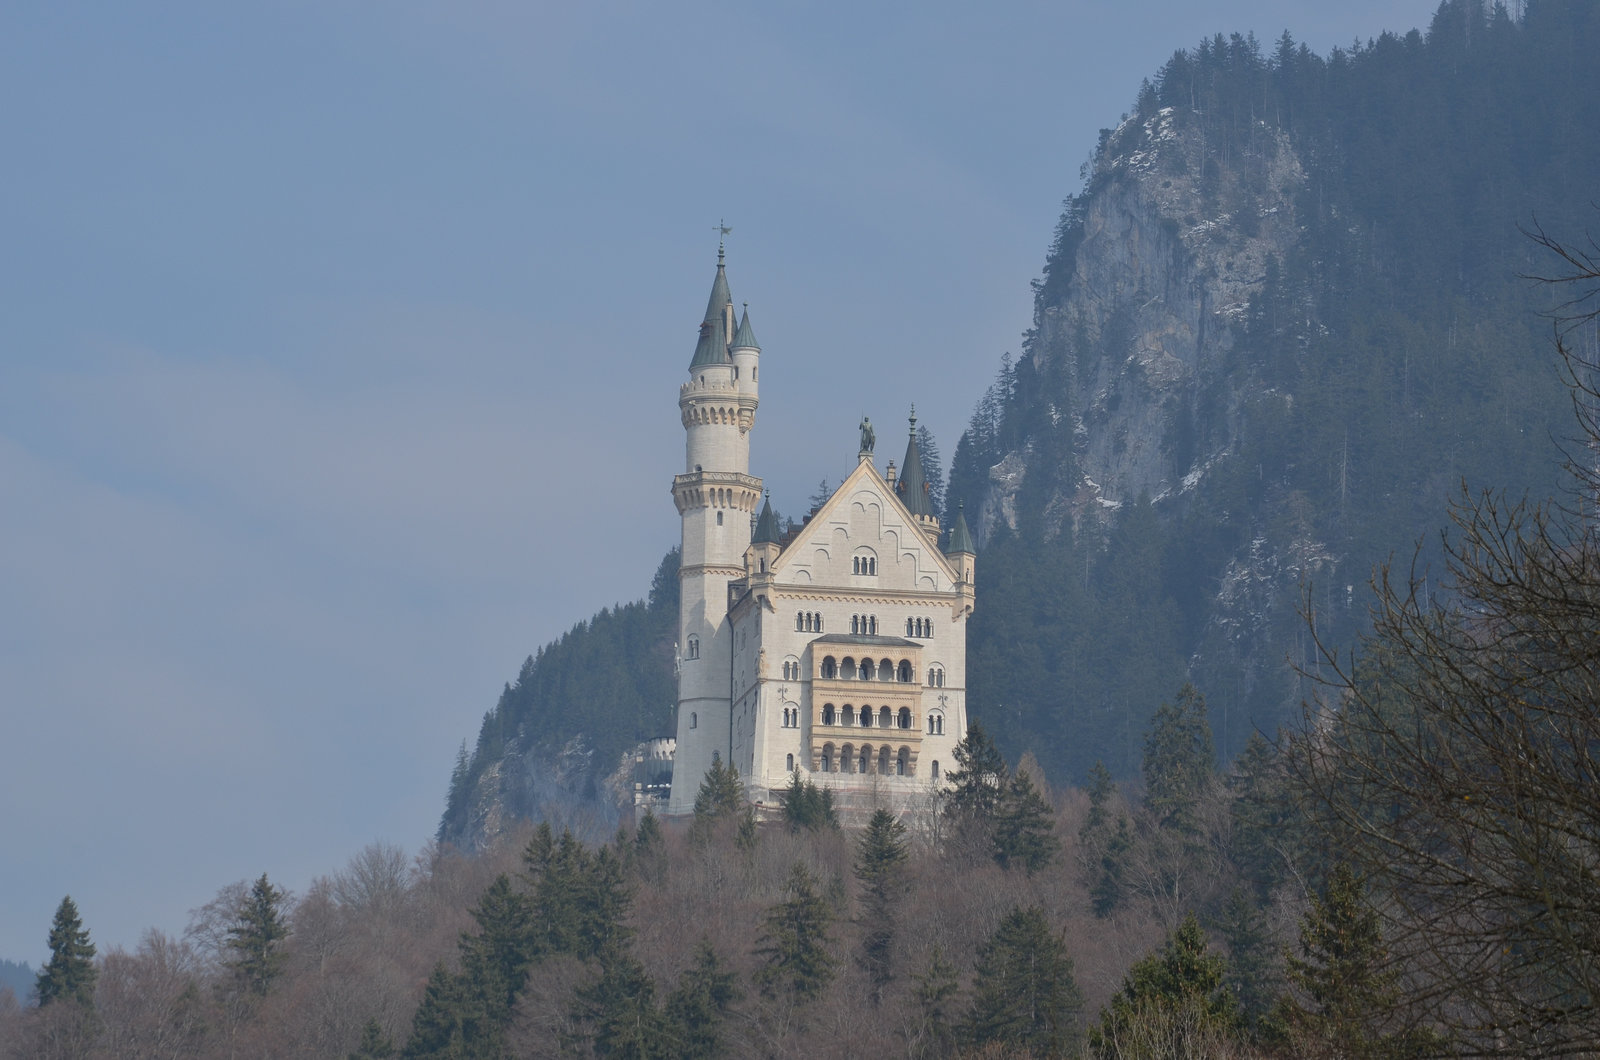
(744, 337)
(912, 486)
(712, 348)
(766, 525)
(960, 538)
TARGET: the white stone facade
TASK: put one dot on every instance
(838, 652)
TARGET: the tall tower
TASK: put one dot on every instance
(716, 497)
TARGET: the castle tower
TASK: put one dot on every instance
(912, 486)
(716, 497)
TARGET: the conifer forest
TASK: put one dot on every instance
(1341, 803)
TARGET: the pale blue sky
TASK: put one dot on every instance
(340, 343)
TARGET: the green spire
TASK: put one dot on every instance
(713, 345)
(960, 538)
(766, 525)
(744, 338)
(912, 486)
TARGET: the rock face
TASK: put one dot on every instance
(1171, 245)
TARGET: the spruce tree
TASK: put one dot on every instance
(619, 1012)
(1023, 994)
(934, 993)
(496, 958)
(881, 857)
(796, 951)
(1024, 829)
(976, 785)
(444, 1019)
(1179, 758)
(69, 974)
(1181, 989)
(1253, 968)
(807, 807)
(256, 936)
(374, 1045)
(695, 1011)
(720, 798)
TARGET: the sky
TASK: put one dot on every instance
(340, 345)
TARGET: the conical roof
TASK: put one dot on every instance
(912, 486)
(960, 537)
(712, 348)
(745, 338)
(766, 525)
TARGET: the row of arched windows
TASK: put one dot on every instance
(919, 627)
(863, 564)
(807, 622)
(883, 760)
(867, 624)
(867, 670)
(883, 717)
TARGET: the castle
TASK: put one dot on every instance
(836, 650)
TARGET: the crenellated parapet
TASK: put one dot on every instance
(716, 489)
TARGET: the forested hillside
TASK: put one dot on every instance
(1284, 319)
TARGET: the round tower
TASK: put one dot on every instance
(716, 498)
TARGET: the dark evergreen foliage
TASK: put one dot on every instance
(69, 974)
(255, 950)
(1023, 993)
(1182, 987)
(374, 1044)
(1024, 827)
(881, 856)
(698, 1007)
(806, 806)
(796, 950)
(1179, 760)
(1389, 354)
(608, 680)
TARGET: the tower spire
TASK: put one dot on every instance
(912, 485)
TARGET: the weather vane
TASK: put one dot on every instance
(723, 231)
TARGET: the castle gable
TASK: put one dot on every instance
(864, 536)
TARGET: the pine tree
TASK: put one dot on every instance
(795, 947)
(696, 1010)
(806, 806)
(935, 991)
(1024, 994)
(720, 798)
(932, 469)
(69, 974)
(1180, 991)
(619, 1011)
(881, 856)
(1108, 887)
(443, 1020)
(976, 785)
(1179, 759)
(374, 1045)
(1253, 971)
(1346, 997)
(495, 959)
(255, 939)
(1024, 830)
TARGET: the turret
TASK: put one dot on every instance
(746, 355)
(912, 486)
(964, 558)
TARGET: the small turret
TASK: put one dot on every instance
(764, 542)
(746, 355)
(964, 558)
(912, 486)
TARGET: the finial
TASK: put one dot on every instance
(913, 418)
(722, 234)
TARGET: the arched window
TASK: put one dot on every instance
(872, 564)
(847, 669)
(935, 769)
(847, 759)
(827, 714)
(799, 621)
(935, 723)
(883, 760)
(886, 670)
(905, 717)
(885, 718)
(866, 669)
(819, 623)
(866, 717)
(902, 762)
(906, 673)
(908, 627)
(874, 630)
(694, 720)
(849, 715)
(855, 623)
(830, 669)
(694, 647)
(866, 759)
(936, 677)
(827, 758)
(789, 763)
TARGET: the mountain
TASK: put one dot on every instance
(1283, 320)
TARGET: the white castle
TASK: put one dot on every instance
(837, 650)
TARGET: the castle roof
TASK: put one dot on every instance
(766, 525)
(867, 640)
(912, 485)
(745, 338)
(960, 538)
(712, 347)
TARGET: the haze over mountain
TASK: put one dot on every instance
(1282, 321)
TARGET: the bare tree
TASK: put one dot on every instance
(1458, 758)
